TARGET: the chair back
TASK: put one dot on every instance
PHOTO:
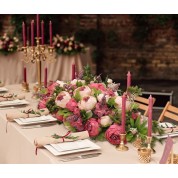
(170, 112)
(143, 104)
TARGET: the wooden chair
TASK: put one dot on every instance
(170, 112)
(143, 104)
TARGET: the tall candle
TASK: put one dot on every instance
(150, 109)
(50, 33)
(73, 71)
(45, 77)
(128, 79)
(24, 34)
(32, 33)
(123, 113)
(28, 34)
(25, 75)
(42, 32)
(38, 25)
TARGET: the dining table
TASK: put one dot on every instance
(17, 143)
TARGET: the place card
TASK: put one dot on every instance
(167, 150)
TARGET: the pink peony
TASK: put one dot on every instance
(112, 134)
(87, 103)
(52, 87)
(62, 99)
(58, 117)
(105, 121)
(71, 105)
(99, 86)
(83, 91)
(42, 103)
(92, 126)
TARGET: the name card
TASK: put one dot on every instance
(167, 150)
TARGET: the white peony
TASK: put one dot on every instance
(105, 121)
(62, 99)
(109, 81)
(83, 91)
(100, 96)
(118, 101)
(61, 83)
(74, 82)
(87, 103)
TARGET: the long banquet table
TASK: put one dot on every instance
(17, 145)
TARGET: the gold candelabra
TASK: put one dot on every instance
(38, 54)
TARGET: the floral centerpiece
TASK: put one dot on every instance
(88, 103)
(8, 44)
(67, 45)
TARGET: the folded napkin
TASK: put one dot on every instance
(26, 114)
(11, 97)
(69, 137)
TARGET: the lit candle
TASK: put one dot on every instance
(38, 25)
(150, 108)
(128, 79)
(25, 75)
(123, 113)
(32, 33)
(73, 71)
(50, 33)
(42, 32)
(45, 77)
(24, 34)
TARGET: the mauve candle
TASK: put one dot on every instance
(38, 25)
(150, 109)
(32, 33)
(25, 75)
(123, 113)
(42, 32)
(50, 33)
(45, 77)
(73, 71)
(24, 34)
(128, 79)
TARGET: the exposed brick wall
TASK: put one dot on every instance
(155, 59)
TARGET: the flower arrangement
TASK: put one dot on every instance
(8, 44)
(67, 45)
(88, 103)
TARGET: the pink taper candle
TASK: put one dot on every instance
(73, 71)
(24, 34)
(32, 33)
(150, 109)
(45, 77)
(128, 79)
(25, 74)
(50, 33)
(123, 113)
(37, 25)
(42, 32)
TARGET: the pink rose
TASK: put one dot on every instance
(71, 105)
(92, 126)
(42, 103)
(52, 87)
(99, 86)
(112, 134)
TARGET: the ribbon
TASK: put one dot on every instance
(63, 137)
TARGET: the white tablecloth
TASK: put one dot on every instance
(17, 145)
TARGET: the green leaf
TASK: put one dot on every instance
(86, 115)
(96, 92)
(79, 83)
(111, 102)
(132, 123)
(129, 136)
(77, 96)
(137, 123)
(64, 112)
(101, 137)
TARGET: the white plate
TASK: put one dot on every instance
(35, 120)
(72, 147)
(13, 103)
(3, 89)
(174, 134)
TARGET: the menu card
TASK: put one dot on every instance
(167, 150)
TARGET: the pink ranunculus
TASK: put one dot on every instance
(58, 117)
(112, 134)
(92, 126)
(52, 87)
(71, 105)
(62, 99)
(99, 86)
(42, 103)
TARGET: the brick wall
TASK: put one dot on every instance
(156, 58)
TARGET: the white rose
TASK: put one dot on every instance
(109, 80)
(61, 83)
(105, 121)
(118, 101)
(100, 96)
(87, 103)
(62, 99)
(74, 82)
(83, 91)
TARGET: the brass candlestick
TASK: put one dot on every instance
(25, 87)
(149, 139)
(121, 146)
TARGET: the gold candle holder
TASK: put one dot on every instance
(173, 159)
(144, 155)
(25, 87)
(121, 146)
(149, 139)
(137, 143)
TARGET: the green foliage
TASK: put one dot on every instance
(57, 90)
(87, 74)
(101, 137)
(77, 96)
(86, 115)
(135, 90)
(111, 103)
(96, 92)
(67, 137)
(51, 105)
(64, 112)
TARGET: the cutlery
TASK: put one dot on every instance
(83, 156)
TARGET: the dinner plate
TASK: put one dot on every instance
(35, 120)
(72, 147)
(13, 103)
